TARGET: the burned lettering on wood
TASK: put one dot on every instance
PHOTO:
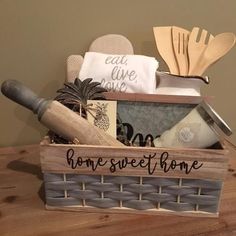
(150, 162)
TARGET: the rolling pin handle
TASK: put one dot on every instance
(22, 95)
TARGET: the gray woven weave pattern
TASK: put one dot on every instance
(141, 193)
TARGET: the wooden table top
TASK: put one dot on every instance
(22, 209)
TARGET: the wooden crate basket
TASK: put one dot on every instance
(145, 180)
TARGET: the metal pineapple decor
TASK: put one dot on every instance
(75, 96)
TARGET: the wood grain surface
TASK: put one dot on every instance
(73, 127)
(22, 210)
(155, 98)
(213, 161)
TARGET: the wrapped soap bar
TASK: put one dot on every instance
(201, 128)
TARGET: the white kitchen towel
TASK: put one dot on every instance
(121, 73)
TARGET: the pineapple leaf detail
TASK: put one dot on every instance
(75, 96)
(80, 92)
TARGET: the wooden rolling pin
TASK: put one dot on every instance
(57, 117)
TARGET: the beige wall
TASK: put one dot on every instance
(36, 37)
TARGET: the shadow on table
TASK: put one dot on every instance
(25, 167)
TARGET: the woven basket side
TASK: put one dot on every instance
(141, 193)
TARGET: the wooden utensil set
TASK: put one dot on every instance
(191, 53)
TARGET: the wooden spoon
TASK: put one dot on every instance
(165, 47)
(180, 44)
(216, 49)
(196, 47)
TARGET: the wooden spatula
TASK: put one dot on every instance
(165, 47)
(216, 49)
(197, 46)
(180, 43)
